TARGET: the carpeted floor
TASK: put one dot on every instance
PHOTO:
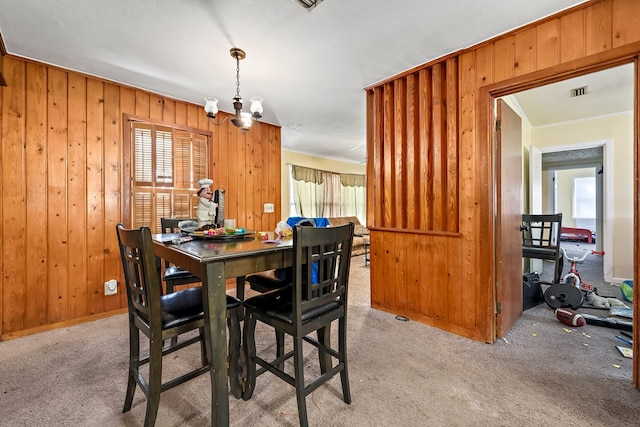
(402, 374)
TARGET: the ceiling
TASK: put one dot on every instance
(309, 66)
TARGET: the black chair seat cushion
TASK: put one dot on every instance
(269, 280)
(174, 273)
(278, 304)
(186, 306)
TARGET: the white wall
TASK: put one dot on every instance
(619, 129)
(322, 163)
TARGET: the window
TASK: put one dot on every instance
(317, 193)
(167, 164)
(584, 197)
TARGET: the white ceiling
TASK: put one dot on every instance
(310, 67)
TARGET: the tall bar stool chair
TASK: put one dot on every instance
(316, 298)
(161, 317)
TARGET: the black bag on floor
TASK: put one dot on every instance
(531, 290)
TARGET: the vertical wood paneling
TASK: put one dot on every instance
(572, 40)
(36, 188)
(626, 22)
(452, 195)
(547, 44)
(525, 51)
(14, 263)
(387, 158)
(399, 154)
(504, 58)
(413, 276)
(425, 154)
(112, 191)
(61, 149)
(438, 171)
(77, 195)
(1, 212)
(468, 291)
(56, 200)
(412, 161)
(598, 21)
(400, 271)
(95, 191)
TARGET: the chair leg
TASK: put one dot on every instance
(204, 357)
(134, 359)
(155, 382)
(342, 351)
(280, 347)
(324, 337)
(557, 272)
(298, 362)
(249, 355)
(234, 352)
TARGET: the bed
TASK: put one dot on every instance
(579, 234)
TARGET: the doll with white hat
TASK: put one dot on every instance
(206, 210)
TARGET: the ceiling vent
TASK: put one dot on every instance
(308, 4)
(579, 91)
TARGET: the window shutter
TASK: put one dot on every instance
(167, 163)
(143, 155)
(200, 166)
(182, 155)
(164, 158)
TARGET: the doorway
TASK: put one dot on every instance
(572, 131)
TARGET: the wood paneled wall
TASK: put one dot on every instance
(61, 181)
(430, 201)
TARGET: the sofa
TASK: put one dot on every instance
(361, 233)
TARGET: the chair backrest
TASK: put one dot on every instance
(541, 231)
(140, 273)
(328, 252)
(170, 225)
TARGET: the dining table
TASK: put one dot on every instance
(215, 260)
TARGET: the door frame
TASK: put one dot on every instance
(486, 101)
(607, 200)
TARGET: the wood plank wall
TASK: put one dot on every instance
(61, 181)
(430, 186)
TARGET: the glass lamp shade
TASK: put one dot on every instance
(256, 107)
(211, 106)
(246, 120)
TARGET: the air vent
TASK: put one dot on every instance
(308, 4)
(579, 91)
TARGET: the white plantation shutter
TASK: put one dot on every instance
(167, 163)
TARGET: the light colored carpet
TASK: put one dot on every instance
(402, 374)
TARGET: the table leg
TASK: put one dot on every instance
(215, 311)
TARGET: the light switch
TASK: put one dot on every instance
(268, 208)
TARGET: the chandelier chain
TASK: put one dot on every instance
(238, 77)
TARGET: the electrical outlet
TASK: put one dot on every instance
(268, 208)
(111, 287)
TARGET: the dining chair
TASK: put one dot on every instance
(541, 240)
(174, 275)
(316, 298)
(161, 317)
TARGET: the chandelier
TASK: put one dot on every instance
(241, 119)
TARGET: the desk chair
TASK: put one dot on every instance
(541, 239)
(161, 317)
(174, 275)
(308, 305)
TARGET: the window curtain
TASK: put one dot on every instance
(308, 191)
(317, 193)
(332, 195)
